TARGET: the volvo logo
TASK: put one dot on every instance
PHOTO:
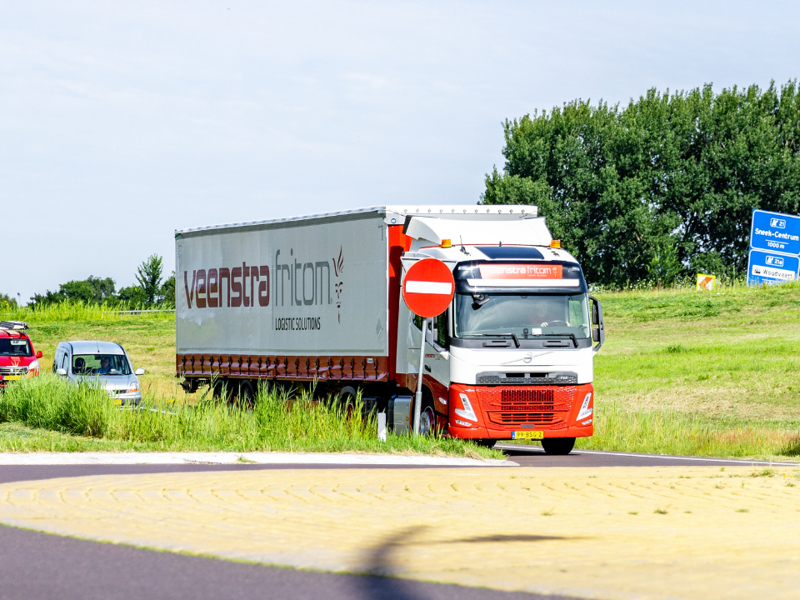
(528, 357)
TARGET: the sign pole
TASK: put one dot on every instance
(418, 397)
(428, 290)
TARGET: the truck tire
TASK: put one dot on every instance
(246, 396)
(346, 401)
(427, 417)
(221, 391)
(558, 446)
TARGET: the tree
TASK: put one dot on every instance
(91, 290)
(168, 291)
(7, 302)
(132, 296)
(662, 187)
(148, 276)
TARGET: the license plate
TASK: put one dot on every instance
(527, 435)
(10, 377)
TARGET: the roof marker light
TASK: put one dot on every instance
(555, 243)
(446, 243)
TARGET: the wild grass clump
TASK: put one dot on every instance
(49, 402)
(275, 423)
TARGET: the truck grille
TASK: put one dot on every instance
(13, 370)
(504, 418)
(512, 407)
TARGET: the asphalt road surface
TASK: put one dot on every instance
(42, 566)
(534, 456)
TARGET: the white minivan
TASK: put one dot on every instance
(107, 363)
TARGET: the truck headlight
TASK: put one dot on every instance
(586, 410)
(467, 412)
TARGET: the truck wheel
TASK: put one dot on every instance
(427, 418)
(221, 391)
(347, 401)
(246, 398)
(558, 446)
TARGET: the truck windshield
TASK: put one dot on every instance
(524, 315)
(100, 364)
(13, 347)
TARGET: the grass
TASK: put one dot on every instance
(682, 372)
(149, 338)
(700, 373)
(47, 413)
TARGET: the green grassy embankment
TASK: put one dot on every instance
(46, 413)
(700, 373)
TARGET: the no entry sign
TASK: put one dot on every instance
(428, 287)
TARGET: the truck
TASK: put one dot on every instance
(315, 302)
(18, 358)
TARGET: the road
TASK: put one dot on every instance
(534, 456)
(42, 566)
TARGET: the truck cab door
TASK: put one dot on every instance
(437, 360)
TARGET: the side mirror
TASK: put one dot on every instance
(61, 372)
(139, 371)
(598, 329)
(39, 354)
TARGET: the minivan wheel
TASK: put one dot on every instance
(558, 446)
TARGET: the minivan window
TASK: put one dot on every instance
(100, 364)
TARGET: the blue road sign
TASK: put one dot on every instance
(775, 232)
(771, 267)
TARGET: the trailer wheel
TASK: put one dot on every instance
(558, 446)
(221, 391)
(347, 401)
(246, 396)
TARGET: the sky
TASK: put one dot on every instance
(124, 121)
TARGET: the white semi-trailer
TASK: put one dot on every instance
(317, 300)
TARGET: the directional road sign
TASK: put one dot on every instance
(428, 287)
(771, 267)
(775, 232)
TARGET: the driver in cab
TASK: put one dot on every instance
(105, 366)
(550, 316)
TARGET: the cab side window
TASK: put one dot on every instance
(440, 328)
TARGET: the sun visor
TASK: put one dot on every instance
(512, 229)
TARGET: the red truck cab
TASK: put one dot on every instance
(18, 358)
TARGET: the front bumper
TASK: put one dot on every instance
(126, 399)
(497, 412)
(12, 374)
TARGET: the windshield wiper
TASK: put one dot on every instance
(569, 335)
(513, 336)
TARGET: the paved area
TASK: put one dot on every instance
(534, 456)
(37, 566)
(232, 458)
(670, 532)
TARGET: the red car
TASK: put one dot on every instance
(17, 357)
